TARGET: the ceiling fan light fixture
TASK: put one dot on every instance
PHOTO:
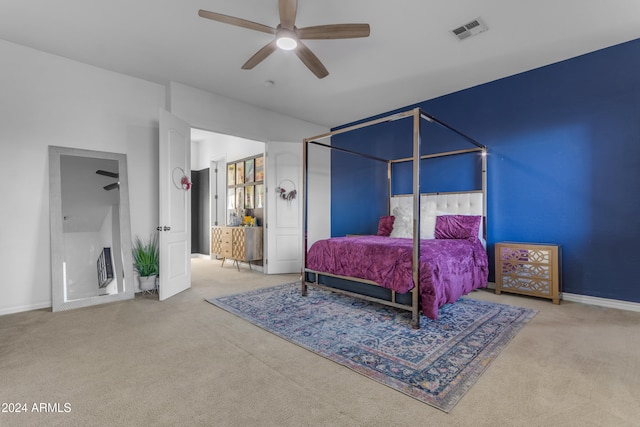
(286, 39)
(288, 36)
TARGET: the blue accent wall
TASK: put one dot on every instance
(563, 165)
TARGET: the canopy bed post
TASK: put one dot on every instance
(415, 312)
(389, 163)
(484, 191)
(305, 163)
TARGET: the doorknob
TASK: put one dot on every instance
(167, 228)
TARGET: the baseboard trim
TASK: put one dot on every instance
(22, 308)
(602, 302)
(589, 300)
(582, 299)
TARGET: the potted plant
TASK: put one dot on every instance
(146, 262)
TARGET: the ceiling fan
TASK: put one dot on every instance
(288, 36)
(110, 175)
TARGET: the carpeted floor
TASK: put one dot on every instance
(182, 362)
(436, 364)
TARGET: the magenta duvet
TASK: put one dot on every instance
(449, 268)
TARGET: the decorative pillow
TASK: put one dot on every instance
(402, 225)
(385, 225)
(457, 226)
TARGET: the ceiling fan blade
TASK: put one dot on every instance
(236, 21)
(106, 173)
(335, 31)
(111, 186)
(288, 10)
(260, 55)
(311, 61)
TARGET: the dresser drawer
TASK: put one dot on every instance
(529, 269)
(226, 248)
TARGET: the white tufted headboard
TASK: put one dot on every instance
(432, 205)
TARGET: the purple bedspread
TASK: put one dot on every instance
(449, 268)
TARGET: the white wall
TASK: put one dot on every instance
(216, 113)
(319, 189)
(215, 146)
(49, 100)
(204, 110)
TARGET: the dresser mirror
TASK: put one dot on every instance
(90, 227)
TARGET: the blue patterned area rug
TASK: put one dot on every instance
(435, 364)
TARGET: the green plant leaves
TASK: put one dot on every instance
(146, 256)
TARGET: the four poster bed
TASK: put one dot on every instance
(429, 249)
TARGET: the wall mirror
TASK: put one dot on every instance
(91, 260)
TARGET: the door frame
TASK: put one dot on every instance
(218, 183)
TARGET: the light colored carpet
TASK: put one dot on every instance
(435, 364)
(184, 362)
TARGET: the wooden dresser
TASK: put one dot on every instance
(528, 269)
(237, 243)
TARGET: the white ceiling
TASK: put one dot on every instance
(410, 56)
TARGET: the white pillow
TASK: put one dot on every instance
(402, 224)
(432, 205)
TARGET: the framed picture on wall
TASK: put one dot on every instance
(240, 197)
(259, 169)
(259, 196)
(248, 197)
(240, 173)
(231, 198)
(231, 174)
(248, 170)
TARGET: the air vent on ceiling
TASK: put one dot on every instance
(470, 29)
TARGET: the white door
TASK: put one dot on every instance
(283, 216)
(175, 205)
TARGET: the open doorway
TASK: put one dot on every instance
(210, 153)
